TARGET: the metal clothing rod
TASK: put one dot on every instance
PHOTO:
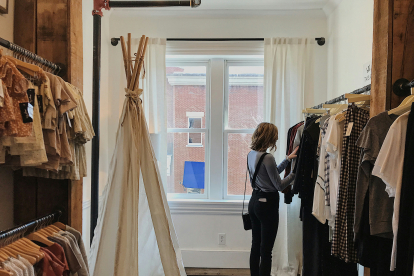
(26, 53)
(342, 98)
(7, 237)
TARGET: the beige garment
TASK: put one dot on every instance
(10, 266)
(71, 257)
(80, 133)
(31, 149)
(74, 244)
(79, 240)
(49, 116)
(20, 265)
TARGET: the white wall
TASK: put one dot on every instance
(198, 231)
(349, 43)
(350, 28)
(6, 175)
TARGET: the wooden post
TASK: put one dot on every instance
(53, 30)
(393, 55)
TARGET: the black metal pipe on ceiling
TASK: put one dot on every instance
(149, 4)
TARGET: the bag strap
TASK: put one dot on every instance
(256, 171)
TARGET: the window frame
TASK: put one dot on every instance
(205, 130)
(194, 145)
(227, 130)
(214, 191)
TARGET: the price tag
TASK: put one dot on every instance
(26, 110)
(349, 129)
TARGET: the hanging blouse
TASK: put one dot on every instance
(11, 122)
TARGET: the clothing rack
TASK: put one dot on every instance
(26, 53)
(8, 236)
(342, 97)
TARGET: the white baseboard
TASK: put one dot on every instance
(216, 258)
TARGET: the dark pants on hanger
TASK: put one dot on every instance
(405, 237)
(264, 214)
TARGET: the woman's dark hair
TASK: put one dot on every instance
(265, 136)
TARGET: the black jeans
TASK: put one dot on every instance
(264, 213)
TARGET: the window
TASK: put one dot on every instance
(195, 120)
(187, 147)
(213, 108)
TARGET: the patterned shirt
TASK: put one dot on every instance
(343, 238)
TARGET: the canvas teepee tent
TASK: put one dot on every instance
(135, 234)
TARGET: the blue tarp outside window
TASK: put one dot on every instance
(194, 175)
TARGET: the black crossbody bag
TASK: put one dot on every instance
(247, 223)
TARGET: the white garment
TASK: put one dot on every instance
(389, 167)
(319, 209)
(288, 74)
(334, 136)
(29, 266)
(134, 234)
(20, 265)
(2, 88)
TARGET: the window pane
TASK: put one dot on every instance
(186, 94)
(245, 96)
(186, 164)
(238, 148)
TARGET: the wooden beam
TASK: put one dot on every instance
(53, 32)
(25, 19)
(403, 44)
(393, 57)
(75, 204)
(381, 57)
(75, 59)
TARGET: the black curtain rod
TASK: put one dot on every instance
(114, 41)
(7, 237)
(26, 53)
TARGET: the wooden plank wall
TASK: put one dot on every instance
(53, 30)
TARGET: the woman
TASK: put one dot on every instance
(264, 203)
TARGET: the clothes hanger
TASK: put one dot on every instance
(5, 273)
(60, 225)
(405, 106)
(313, 111)
(352, 98)
(13, 253)
(18, 247)
(36, 236)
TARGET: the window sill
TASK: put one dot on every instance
(194, 146)
(207, 207)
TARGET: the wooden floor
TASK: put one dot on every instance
(217, 272)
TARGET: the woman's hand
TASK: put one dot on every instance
(293, 154)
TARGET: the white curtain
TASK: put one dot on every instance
(288, 64)
(155, 105)
(135, 234)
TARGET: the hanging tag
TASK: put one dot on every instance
(31, 95)
(40, 103)
(26, 109)
(349, 129)
(67, 117)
